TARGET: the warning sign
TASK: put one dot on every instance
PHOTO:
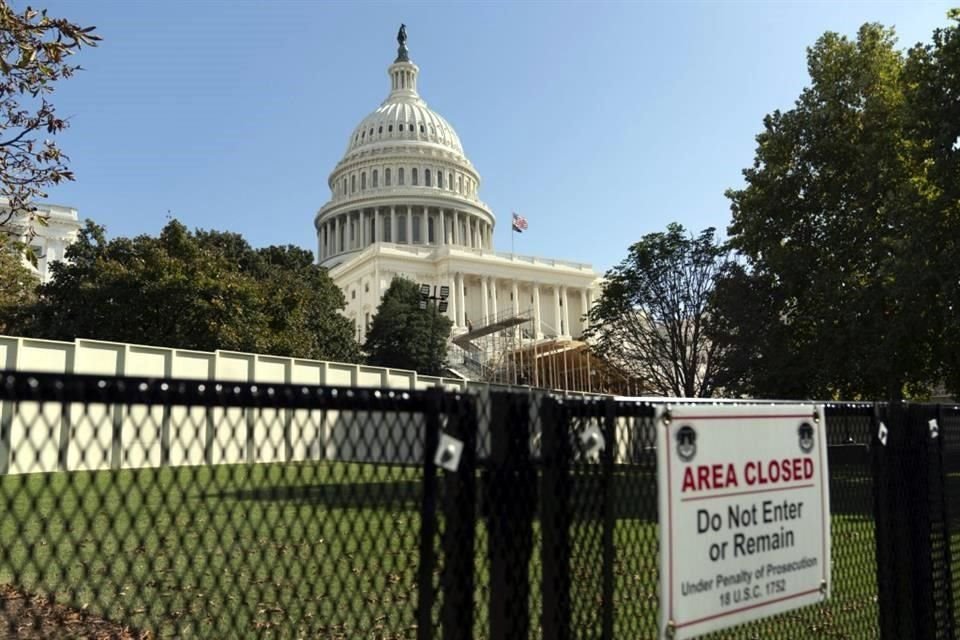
(744, 514)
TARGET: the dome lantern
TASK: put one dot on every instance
(403, 73)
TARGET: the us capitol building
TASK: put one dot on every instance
(405, 202)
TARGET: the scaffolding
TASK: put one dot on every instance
(504, 349)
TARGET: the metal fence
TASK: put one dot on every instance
(371, 523)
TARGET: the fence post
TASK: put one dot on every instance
(932, 570)
(426, 593)
(509, 500)
(555, 517)
(883, 441)
(918, 517)
(913, 573)
(460, 513)
(945, 592)
(607, 457)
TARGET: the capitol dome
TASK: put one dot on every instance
(404, 179)
(400, 118)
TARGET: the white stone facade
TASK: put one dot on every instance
(49, 241)
(404, 202)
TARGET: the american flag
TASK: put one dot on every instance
(519, 223)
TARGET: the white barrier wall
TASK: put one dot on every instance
(102, 437)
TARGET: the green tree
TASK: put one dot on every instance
(206, 290)
(18, 287)
(652, 319)
(933, 126)
(35, 52)
(840, 295)
(405, 336)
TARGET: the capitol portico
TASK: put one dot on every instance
(405, 202)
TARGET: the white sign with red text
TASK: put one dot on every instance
(744, 514)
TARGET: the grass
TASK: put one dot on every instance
(330, 550)
(297, 550)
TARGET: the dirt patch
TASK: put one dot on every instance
(34, 617)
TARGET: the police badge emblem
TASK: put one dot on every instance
(805, 432)
(686, 443)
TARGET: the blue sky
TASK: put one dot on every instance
(599, 122)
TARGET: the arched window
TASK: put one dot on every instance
(353, 183)
(431, 235)
(421, 128)
(376, 179)
(400, 176)
(344, 186)
(401, 126)
(390, 129)
(363, 180)
(380, 130)
(459, 184)
(426, 178)
(450, 181)
(386, 177)
(413, 176)
(439, 179)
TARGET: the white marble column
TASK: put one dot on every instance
(584, 323)
(461, 302)
(424, 228)
(558, 311)
(515, 290)
(470, 238)
(493, 296)
(456, 227)
(452, 308)
(484, 295)
(409, 224)
(443, 227)
(565, 303)
(393, 224)
(363, 228)
(336, 235)
(537, 327)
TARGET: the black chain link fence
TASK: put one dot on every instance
(187, 509)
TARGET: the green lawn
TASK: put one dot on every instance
(322, 550)
(299, 550)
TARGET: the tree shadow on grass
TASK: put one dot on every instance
(393, 496)
(633, 489)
